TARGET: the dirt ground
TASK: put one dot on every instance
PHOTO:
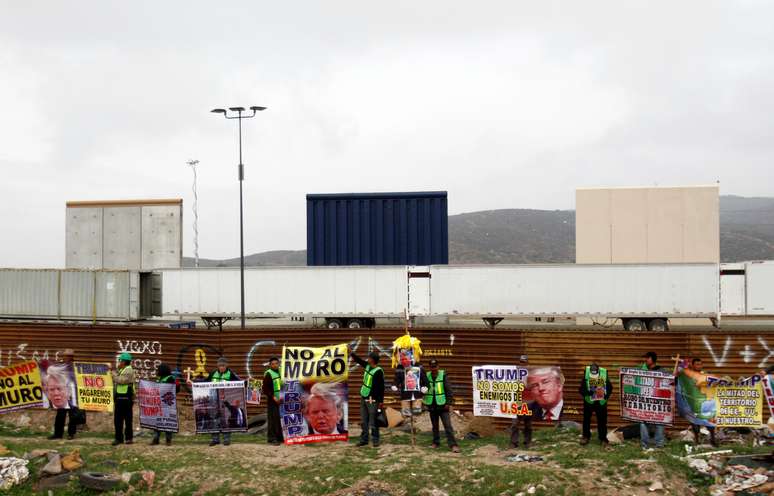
(250, 466)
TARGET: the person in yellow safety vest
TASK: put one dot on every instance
(595, 388)
(123, 398)
(371, 396)
(164, 376)
(222, 374)
(272, 382)
(438, 399)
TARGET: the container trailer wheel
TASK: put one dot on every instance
(333, 323)
(657, 325)
(634, 325)
(354, 324)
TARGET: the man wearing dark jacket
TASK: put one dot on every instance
(272, 382)
(371, 396)
(651, 363)
(437, 400)
(595, 389)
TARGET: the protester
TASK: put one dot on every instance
(58, 391)
(595, 389)
(222, 374)
(651, 359)
(164, 375)
(698, 366)
(123, 398)
(437, 400)
(545, 386)
(272, 382)
(371, 396)
(524, 420)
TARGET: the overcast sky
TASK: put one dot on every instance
(503, 104)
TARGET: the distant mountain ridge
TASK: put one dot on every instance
(522, 236)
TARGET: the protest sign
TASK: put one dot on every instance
(59, 386)
(315, 394)
(510, 391)
(219, 406)
(158, 405)
(647, 396)
(411, 379)
(20, 387)
(254, 391)
(498, 391)
(739, 406)
(768, 390)
(95, 386)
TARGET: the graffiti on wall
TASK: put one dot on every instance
(760, 353)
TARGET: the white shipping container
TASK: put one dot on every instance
(377, 291)
(760, 288)
(733, 292)
(69, 294)
(657, 290)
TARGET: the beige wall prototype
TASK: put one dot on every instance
(648, 225)
(124, 234)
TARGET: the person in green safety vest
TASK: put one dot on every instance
(164, 376)
(222, 374)
(123, 399)
(651, 363)
(437, 400)
(371, 396)
(272, 382)
(595, 389)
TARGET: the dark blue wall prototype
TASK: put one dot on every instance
(377, 229)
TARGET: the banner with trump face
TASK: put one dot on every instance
(513, 391)
(314, 394)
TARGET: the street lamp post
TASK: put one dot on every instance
(239, 116)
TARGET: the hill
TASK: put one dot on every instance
(548, 236)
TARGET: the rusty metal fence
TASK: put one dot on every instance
(727, 352)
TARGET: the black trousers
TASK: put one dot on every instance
(273, 425)
(122, 417)
(438, 413)
(167, 436)
(601, 412)
(526, 422)
(59, 422)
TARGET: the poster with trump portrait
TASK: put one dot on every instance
(511, 391)
(219, 406)
(314, 394)
(59, 385)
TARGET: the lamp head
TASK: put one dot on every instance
(256, 108)
(237, 109)
(218, 111)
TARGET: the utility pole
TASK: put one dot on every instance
(192, 164)
(238, 111)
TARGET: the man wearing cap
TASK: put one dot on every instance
(272, 383)
(222, 374)
(651, 359)
(371, 396)
(437, 400)
(62, 413)
(524, 420)
(123, 396)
